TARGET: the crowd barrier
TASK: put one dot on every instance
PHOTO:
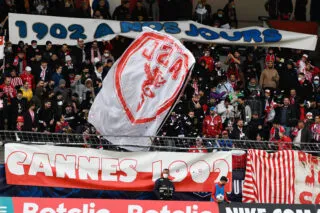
(158, 143)
(53, 205)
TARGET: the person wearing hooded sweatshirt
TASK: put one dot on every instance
(288, 77)
(269, 77)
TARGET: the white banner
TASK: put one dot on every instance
(53, 166)
(61, 30)
(307, 181)
(141, 88)
(1, 47)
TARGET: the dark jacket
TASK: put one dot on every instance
(305, 90)
(288, 79)
(121, 13)
(28, 123)
(291, 116)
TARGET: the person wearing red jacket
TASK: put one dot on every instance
(26, 76)
(212, 125)
(198, 148)
(281, 141)
(208, 59)
(8, 89)
(20, 62)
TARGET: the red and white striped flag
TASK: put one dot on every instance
(270, 178)
(1, 47)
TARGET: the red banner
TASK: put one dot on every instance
(58, 205)
(68, 167)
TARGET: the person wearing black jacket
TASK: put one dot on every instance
(164, 188)
(288, 77)
(304, 90)
(30, 119)
(287, 115)
(231, 14)
(302, 135)
(46, 117)
(104, 9)
(18, 108)
(42, 72)
(122, 12)
(285, 9)
(139, 13)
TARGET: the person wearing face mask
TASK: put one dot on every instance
(231, 14)
(305, 88)
(219, 19)
(106, 56)
(164, 188)
(316, 87)
(219, 194)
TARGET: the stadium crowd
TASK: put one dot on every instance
(248, 93)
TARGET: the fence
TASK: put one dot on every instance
(158, 143)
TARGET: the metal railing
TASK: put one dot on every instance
(158, 143)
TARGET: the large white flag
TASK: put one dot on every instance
(1, 47)
(141, 88)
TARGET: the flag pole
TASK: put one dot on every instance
(4, 55)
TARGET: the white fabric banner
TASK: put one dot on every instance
(61, 30)
(54, 166)
(141, 88)
(1, 47)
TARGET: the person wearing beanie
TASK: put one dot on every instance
(199, 147)
(20, 123)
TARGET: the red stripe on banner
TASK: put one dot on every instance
(271, 179)
(108, 206)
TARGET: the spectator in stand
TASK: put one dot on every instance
(199, 147)
(239, 132)
(304, 90)
(168, 10)
(251, 68)
(226, 111)
(219, 19)
(300, 12)
(230, 11)
(225, 143)
(62, 126)
(20, 61)
(78, 88)
(285, 9)
(302, 134)
(243, 110)
(281, 141)
(39, 7)
(315, 129)
(152, 7)
(203, 12)
(48, 51)
(103, 7)
(85, 10)
(18, 108)
(272, 7)
(57, 76)
(269, 78)
(79, 53)
(42, 72)
(122, 12)
(212, 125)
(139, 13)
(185, 9)
(16, 81)
(26, 91)
(287, 115)
(209, 61)
(302, 63)
(46, 117)
(95, 52)
(288, 77)
(8, 89)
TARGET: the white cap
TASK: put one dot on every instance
(68, 58)
(28, 69)
(96, 60)
(305, 55)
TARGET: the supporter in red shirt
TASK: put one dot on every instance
(212, 125)
(8, 89)
(198, 148)
(20, 62)
(281, 141)
(208, 59)
(26, 76)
